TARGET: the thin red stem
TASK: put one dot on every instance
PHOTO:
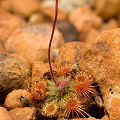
(56, 13)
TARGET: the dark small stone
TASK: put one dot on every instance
(68, 30)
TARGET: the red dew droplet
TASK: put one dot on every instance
(63, 84)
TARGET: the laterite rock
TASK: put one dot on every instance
(31, 42)
(49, 10)
(88, 35)
(38, 70)
(68, 30)
(23, 8)
(84, 17)
(69, 54)
(8, 23)
(107, 8)
(4, 114)
(13, 72)
(16, 98)
(26, 113)
(101, 58)
(111, 24)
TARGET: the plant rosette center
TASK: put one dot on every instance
(62, 88)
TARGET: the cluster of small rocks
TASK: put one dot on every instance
(87, 34)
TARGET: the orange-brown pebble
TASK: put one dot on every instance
(111, 24)
(84, 17)
(26, 113)
(4, 114)
(13, 98)
(14, 73)
(101, 58)
(69, 54)
(23, 7)
(114, 110)
(31, 42)
(8, 23)
(49, 10)
(107, 8)
(38, 69)
(89, 34)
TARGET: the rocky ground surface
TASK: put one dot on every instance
(86, 40)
